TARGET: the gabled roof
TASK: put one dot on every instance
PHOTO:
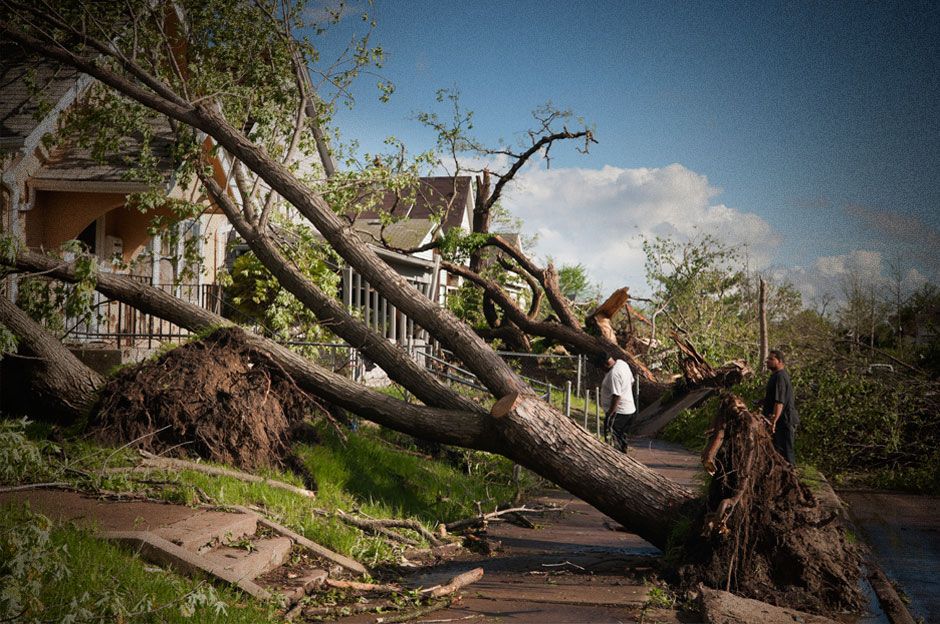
(446, 196)
(405, 234)
(30, 91)
(20, 109)
(69, 163)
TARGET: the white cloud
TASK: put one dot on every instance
(825, 280)
(597, 217)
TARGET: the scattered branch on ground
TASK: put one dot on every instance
(482, 519)
(153, 463)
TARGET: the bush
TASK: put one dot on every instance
(881, 429)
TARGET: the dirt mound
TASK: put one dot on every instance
(764, 535)
(214, 398)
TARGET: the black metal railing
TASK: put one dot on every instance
(122, 325)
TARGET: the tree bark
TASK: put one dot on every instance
(595, 472)
(64, 386)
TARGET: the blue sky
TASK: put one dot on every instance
(808, 131)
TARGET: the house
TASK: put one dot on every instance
(437, 205)
(52, 191)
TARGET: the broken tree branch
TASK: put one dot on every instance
(455, 584)
(151, 463)
(458, 525)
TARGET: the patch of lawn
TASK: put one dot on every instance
(390, 481)
(62, 574)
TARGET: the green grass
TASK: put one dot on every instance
(659, 598)
(367, 473)
(810, 476)
(54, 573)
(384, 480)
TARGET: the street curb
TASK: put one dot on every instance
(892, 605)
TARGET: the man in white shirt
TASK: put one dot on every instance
(617, 399)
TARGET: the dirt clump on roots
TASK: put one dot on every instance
(763, 534)
(214, 398)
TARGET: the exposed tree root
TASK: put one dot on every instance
(763, 535)
(215, 398)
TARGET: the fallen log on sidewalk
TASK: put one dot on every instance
(719, 607)
(455, 584)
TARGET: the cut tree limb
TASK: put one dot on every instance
(720, 607)
(455, 584)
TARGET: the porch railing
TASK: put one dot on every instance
(117, 323)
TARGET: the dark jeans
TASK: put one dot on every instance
(783, 441)
(621, 426)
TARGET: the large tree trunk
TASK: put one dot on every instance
(529, 431)
(595, 472)
(59, 385)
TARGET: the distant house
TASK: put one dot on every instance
(447, 201)
(53, 192)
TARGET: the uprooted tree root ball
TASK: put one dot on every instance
(214, 398)
(763, 534)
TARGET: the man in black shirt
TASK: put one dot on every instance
(778, 406)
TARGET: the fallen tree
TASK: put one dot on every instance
(520, 425)
(51, 377)
(532, 433)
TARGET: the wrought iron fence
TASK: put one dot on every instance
(122, 325)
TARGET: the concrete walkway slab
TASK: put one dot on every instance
(266, 554)
(207, 527)
(96, 514)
